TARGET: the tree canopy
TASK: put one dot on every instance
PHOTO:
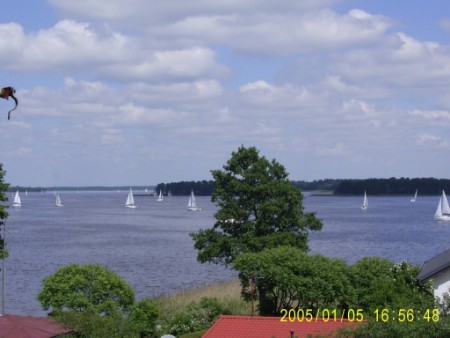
(287, 278)
(3, 212)
(258, 208)
(78, 288)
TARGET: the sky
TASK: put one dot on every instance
(142, 92)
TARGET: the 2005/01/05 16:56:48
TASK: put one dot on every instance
(357, 315)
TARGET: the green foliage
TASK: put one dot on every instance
(90, 324)
(86, 287)
(3, 198)
(200, 188)
(326, 184)
(387, 186)
(379, 283)
(287, 278)
(258, 208)
(143, 317)
(3, 213)
(393, 328)
(196, 317)
(198, 334)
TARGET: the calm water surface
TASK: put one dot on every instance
(151, 249)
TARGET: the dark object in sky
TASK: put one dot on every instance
(7, 92)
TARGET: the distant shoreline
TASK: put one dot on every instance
(327, 187)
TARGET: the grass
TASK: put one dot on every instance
(228, 293)
(198, 334)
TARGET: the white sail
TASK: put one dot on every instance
(160, 197)
(58, 201)
(192, 206)
(415, 196)
(365, 202)
(444, 206)
(17, 202)
(443, 210)
(130, 201)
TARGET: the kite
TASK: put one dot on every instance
(7, 92)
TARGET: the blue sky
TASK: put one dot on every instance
(142, 92)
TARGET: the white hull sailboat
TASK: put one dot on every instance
(443, 210)
(192, 206)
(415, 196)
(58, 201)
(130, 201)
(365, 204)
(160, 197)
(17, 202)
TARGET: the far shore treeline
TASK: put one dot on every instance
(373, 186)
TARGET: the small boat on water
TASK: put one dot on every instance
(130, 201)
(160, 197)
(58, 201)
(17, 202)
(415, 196)
(443, 209)
(365, 204)
(192, 206)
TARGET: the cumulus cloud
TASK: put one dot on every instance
(160, 11)
(71, 46)
(192, 63)
(281, 33)
(66, 45)
(401, 61)
(141, 81)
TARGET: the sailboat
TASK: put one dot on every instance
(365, 202)
(160, 197)
(17, 202)
(192, 206)
(58, 201)
(130, 201)
(443, 210)
(415, 196)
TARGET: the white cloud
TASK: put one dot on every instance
(160, 11)
(192, 63)
(68, 44)
(141, 82)
(431, 114)
(432, 141)
(337, 149)
(281, 33)
(400, 61)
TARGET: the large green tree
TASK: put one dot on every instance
(287, 278)
(87, 287)
(3, 212)
(258, 208)
(380, 283)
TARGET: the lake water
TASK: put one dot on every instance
(151, 249)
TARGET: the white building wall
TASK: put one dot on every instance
(441, 283)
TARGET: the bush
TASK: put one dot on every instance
(143, 317)
(196, 317)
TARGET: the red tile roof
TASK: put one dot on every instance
(14, 326)
(271, 327)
